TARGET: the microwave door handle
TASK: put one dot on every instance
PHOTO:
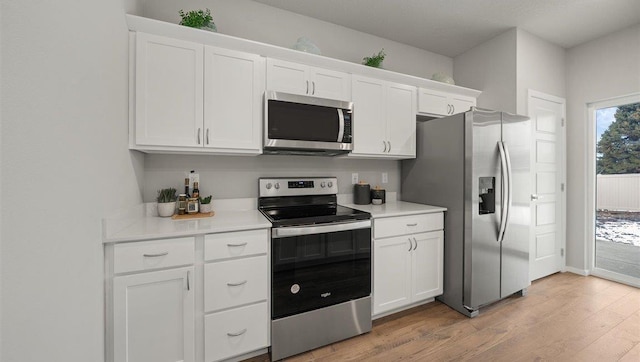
(341, 128)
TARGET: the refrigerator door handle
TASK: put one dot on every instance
(509, 188)
(505, 188)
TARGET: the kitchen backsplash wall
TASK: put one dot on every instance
(227, 177)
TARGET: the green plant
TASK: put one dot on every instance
(206, 200)
(166, 195)
(195, 18)
(374, 60)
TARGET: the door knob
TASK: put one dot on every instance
(534, 197)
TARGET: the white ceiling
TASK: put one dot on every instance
(451, 27)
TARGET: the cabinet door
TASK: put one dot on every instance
(433, 102)
(401, 120)
(288, 77)
(169, 107)
(369, 116)
(391, 273)
(460, 104)
(330, 84)
(426, 260)
(233, 90)
(154, 316)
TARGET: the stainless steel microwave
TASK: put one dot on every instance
(296, 124)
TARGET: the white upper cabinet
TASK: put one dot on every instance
(437, 103)
(384, 119)
(196, 98)
(302, 79)
(233, 89)
(169, 91)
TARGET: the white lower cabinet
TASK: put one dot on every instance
(153, 316)
(188, 299)
(236, 291)
(408, 268)
(236, 331)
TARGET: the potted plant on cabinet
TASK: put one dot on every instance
(200, 19)
(166, 202)
(205, 204)
(375, 60)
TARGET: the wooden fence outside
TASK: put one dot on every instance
(618, 192)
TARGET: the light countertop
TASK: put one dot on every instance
(139, 224)
(396, 208)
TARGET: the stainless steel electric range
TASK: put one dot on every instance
(320, 264)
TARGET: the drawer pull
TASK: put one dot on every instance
(237, 245)
(155, 255)
(237, 284)
(237, 334)
(188, 280)
(414, 224)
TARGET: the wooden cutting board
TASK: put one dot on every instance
(199, 215)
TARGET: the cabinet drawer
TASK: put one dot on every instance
(235, 282)
(236, 332)
(392, 226)
(236, 244)
(154, 254)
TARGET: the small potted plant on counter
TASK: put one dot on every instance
(205, 204)
(166, 202)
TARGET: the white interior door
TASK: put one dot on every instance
(548, 198)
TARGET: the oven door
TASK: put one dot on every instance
(319, 266)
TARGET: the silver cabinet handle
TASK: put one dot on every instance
(313, 89)
(307, 91)
(237, 284)
(534, 197)
(199, 135)
(155, 255)
(389, 146)
(207, 136)
(453, 109)
(414, 224)
(410, 244)
(415, 241)
(237, 334)
(385, 146)
(236, 245)
(188, 280)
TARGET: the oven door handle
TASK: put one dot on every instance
(283, 232)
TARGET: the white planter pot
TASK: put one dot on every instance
(166, 209)
(205, 208)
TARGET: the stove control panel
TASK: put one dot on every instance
(270, 187)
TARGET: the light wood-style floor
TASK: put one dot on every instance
(565, 317)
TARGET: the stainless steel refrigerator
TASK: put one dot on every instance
(477, 165)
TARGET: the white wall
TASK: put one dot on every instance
(600, 69)
(255, 21)
(65, 165)
(237, 177)
(491, 68)
(540, 66)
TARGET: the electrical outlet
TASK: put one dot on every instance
(385, 178)
(354, 178)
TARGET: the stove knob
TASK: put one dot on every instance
(322, 184)
(277, 185)
(269, 186)
(330, 184)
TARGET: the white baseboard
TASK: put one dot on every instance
(573, 270)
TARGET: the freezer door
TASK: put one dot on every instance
(483, 198)
(516, 135)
